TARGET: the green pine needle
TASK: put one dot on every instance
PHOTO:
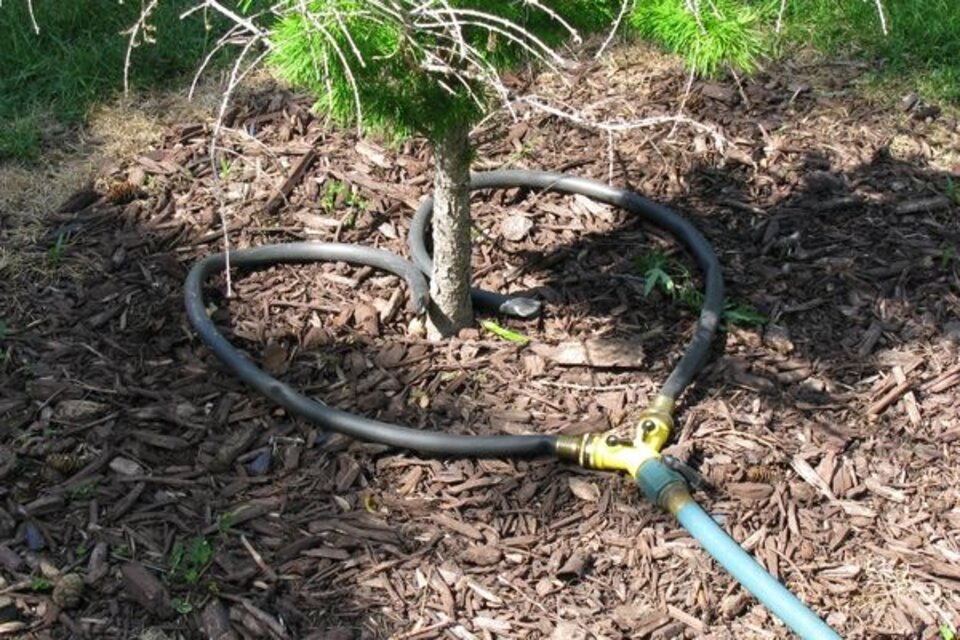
(722, 33)
(382, 62)
(506, 334)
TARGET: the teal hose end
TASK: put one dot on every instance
(654, 478)
(668, 489)
(741, 565)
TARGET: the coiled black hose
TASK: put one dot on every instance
(657, 214)
(432, 442)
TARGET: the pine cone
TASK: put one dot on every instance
(69, 591)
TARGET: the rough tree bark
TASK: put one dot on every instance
(450, 307)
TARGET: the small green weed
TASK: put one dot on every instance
(336, 193)
(40, 584)
(189, 561)
(59, 248)
(183, 606)
(349, 219)
(947, 632)
(84, 490)
(654, 266)
(225, 523)
(743, 315)
(225, 169)
(953, 193)
(947, 255)
(673, 279)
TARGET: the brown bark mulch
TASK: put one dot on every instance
(148, 494)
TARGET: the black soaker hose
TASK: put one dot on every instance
(355, 426)
(432, 442)
(657, 214)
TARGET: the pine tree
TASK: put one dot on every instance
(430, 68)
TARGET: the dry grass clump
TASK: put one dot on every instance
(30, 195)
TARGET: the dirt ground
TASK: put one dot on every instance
(147, 494)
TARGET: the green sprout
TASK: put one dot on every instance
(743, 315)
(331, 192)
(337, 192)
(40, 584)
(654, 265)
(84, 490)
(947, 632)
(58, 249)
(190, 560)
(226, 168)
(225, 523)
(947, 255)
(183, 606)
(674, 280)
(953, 192)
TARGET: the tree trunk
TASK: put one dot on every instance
(450, 308)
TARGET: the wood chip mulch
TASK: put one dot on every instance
(147, 494)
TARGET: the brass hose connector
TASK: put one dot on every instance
(604, 452)
(656, 422)
(607, 452)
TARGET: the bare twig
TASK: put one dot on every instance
(231, 15)
(225, 39)
(611, 156)
(643, 123)
(33, 17)
(133, 42)
(683, 99)
(236, 76)
(616, 26)
(783, 9)
(883, 17)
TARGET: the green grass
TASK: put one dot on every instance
(953, 192)
(922, 47)
(57, 251)
(49, 81)
(921, 50)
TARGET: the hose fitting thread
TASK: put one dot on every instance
(604, 452)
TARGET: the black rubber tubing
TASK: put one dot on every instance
(657, 214)
(429, 442)
(433, 442)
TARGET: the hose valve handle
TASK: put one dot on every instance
(656, 422)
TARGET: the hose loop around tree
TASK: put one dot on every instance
(434, 442)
